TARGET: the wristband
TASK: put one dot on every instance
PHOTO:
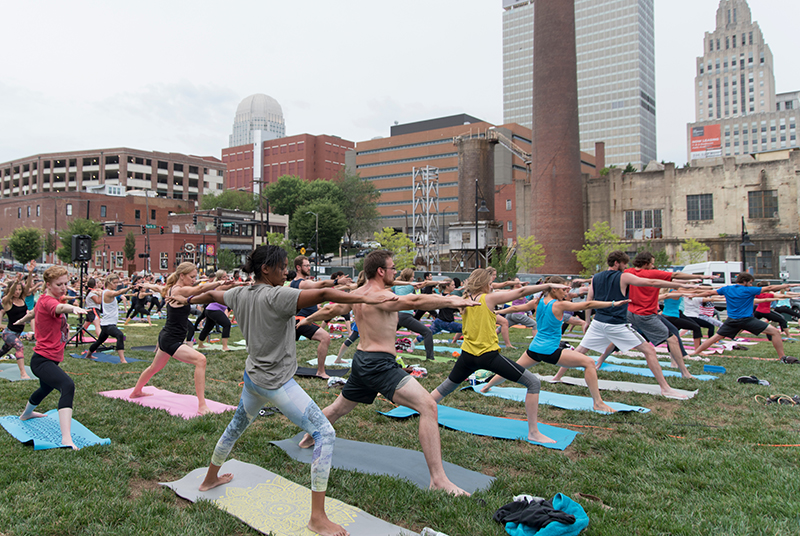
(613, 303)
(189, 301)
(335, 281)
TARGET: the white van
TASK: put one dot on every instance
(724, 272)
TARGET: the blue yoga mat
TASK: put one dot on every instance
(45, 433)
(486, 425)
(555, 399)
(646, 372)
(106, 358)
(10, 372)
(624, 361)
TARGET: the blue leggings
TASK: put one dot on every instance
(298, 407)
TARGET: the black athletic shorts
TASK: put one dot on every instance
(306, 330)
(547, 358)
(731, 327)
(372, 373)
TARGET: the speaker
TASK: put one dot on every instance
(81, 248)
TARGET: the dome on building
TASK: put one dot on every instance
(259, 105)
(257, 112)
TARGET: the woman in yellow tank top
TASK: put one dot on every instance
(481, 350)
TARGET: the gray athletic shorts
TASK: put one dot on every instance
(520, 318)
(650, 326)
(373, 373)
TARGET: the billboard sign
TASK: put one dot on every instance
(706, 142)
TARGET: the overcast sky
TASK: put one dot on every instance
(168, 75)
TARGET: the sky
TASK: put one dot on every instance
(168, 75)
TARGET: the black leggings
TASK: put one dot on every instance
(492, 361)
(215, 317)
(772, 316)
(684, 322)
(51, 377)
(137, 308)
(407, 320)
(703, 323)
(105, 332)
(418, 314)
(782, 309)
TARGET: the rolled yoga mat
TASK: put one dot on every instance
(101, 357)
(45, 432)
(10, 372)
(627, 387)
(486, 425)
(173, 403)
(274, 505)
(558, 400)
(375, 459)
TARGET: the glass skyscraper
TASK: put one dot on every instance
(615, 47)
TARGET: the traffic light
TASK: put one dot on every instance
(216, 221)
(144, 231)
(109, 230)
(161, 230)
(119, 227)
(194, 219)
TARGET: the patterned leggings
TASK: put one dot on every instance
(298, 407)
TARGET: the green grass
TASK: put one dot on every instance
(691, 467)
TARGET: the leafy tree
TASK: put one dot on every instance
(630, 169)
(129, 250)
(399, 244)
(230, 199)
(606, 170)
(505, 262)
(78, 226)
(50, 243)
(331, 225)
(360, 206)
(25, 244)
(286, 195)
(324, 189)
(228, 260)
(694, 251)
(277, 239)
(600, 241)
(530, 253)
(661, 259)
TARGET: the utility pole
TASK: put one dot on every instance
(316, 235)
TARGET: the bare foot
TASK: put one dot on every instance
(306, 442)
(486, 388)
(511, 346)
(210, 483)
(69, 444)
(449, 487)
(539, 437)
(602, 406)
(326, 527)
(672, 393)
(24, 377)
(140, 394)
(33, 415)
(123, 361)
(687, 375)
(203, 409)
(323, 376)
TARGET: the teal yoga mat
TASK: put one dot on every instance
(558, 400)
(486, 425)
(45, 433)
(105, 358)
(10, 372)
(646, 372)
(640, 362)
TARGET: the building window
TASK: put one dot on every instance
(641, 224)
(120, 259)
(763, 204)
(760, 262)
(138, 214)
(700, 207)
(38, 210)
(508, 204)
(29, 212)
(102, 211)
(510, 226)
(19, 212)
(69, 209)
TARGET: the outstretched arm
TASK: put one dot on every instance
(496, 298)
(582, 306)
(332, 310)
(630, 279)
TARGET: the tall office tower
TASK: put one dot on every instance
(737, 110)
(257, 112)
(616, 75)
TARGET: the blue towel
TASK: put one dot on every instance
(486, 425)
(105, 358)
(45, 432)
(646, 372)
(554, 399)
(714, 368)
(560, 502)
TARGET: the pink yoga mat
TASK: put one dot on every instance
(179, 405)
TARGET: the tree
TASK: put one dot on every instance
(331, 225)
(530, 253)
(230, 199)
(360, 205)
(78, 226)
(399, 244)
(600, 241)
(50, 243)
(228, 260)
(630, 169)
(505, 262)
(661, 259)
(25, 244)
(277, 239)
(129, 250)
(694, 251)
(286, 195)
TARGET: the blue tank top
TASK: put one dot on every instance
(548, 336)
(606, 288)
(672, 308)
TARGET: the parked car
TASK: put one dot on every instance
(363, 253)
(372, 244)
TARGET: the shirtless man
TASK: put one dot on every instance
(375, 369)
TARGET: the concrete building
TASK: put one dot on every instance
(737, 110)
(616, 75)
(257, 113)
(170, 175)
(660, 209)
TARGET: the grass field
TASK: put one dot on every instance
(720, 463)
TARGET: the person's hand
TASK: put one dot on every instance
(177, 300)
(465, 302)
(31, 266)
(345, 280)
(79, 310)
(557, 286)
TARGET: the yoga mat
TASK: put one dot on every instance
(175, 404)
(138, 325)
(144, 348)
(715, 369)
(307, 372)
(45, 432)
(375, 459)
(486, 425)
(646, 372)
(408, 358)
(329, 360)
(274, 505)
(555, 399)
(217, 347)
(627, 387)
(241, 343)
(105, 358)
(10, 372)
(642, 362)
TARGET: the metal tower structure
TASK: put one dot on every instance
(425, 210)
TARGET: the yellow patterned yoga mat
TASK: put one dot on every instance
(272, 504)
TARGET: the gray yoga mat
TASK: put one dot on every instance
(274, 505)
(384, 460)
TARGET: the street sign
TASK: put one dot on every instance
(151, 225)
